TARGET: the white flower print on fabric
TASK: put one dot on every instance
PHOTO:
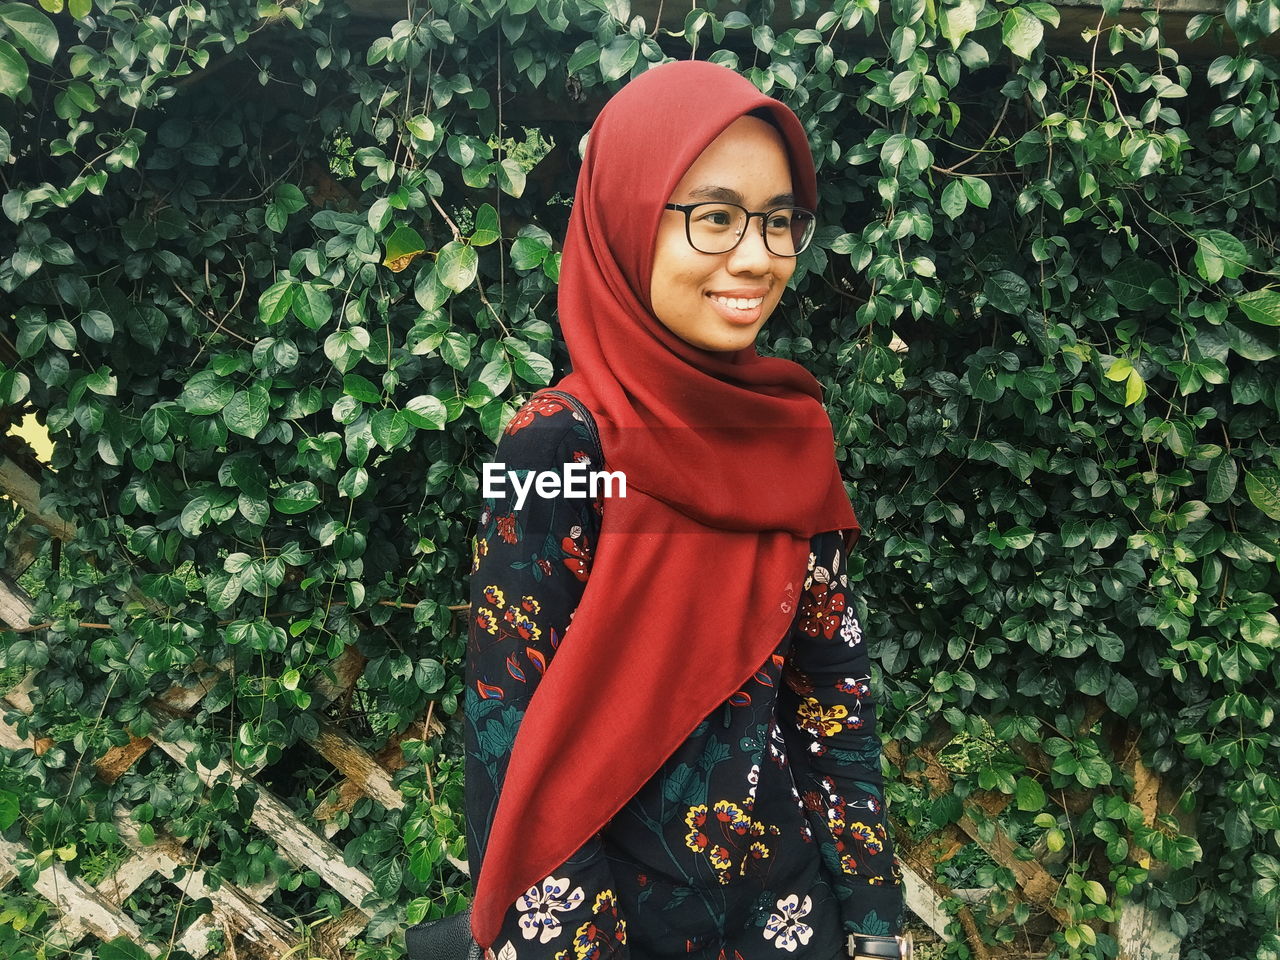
(541, 906)
(850, 629)
(785, 928)
(508, 951)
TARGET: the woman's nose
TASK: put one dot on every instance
(750, 255)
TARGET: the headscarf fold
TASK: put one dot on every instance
(730, 468)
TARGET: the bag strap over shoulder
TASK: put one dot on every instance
(583, 413)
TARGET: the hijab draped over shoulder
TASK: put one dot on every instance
(730, 471)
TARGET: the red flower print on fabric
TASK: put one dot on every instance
(578, 549)
(538, 406)
(507, 528)
(821, 610)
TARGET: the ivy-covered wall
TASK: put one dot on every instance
(275, 276)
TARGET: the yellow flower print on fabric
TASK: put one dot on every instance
(494, 596)
(486, 620)
(696, 840)
(867, 837)
(722, 835)
(821, 721)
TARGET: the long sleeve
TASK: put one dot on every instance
(836, 748)
(532, 561)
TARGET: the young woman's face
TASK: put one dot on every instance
(719, 302)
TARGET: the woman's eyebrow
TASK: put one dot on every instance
(729, 195)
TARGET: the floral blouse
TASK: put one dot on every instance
(763, 835)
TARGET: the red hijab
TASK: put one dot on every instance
(730, 469)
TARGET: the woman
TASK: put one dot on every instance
(671, 749)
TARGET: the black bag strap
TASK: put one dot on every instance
(582, 412)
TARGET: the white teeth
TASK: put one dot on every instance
(740, 303)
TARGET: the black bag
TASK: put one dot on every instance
(447, 939)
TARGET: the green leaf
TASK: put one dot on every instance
(194, 515)
(122, 948)
(1121, 694)
(421, 127)
(1130, 283)
(588, 52)
(1029, 794)
(959, 21)
(311, 305)
(389, 428)
(97, 326)
(903, 87)
(13, 71)
(248, 411)
(978, 191)
(14, 385)
(1218, 255)
(9, 810)
(33, 31)
(511, 177)
(427, 412)
(1007, 291)
(456, 350)
(363, 389)
(1261, 306)
(102, 382)
(496, 375)
(297, 498)
(532, 367)
(275, 301)
(1263, 487)
(403, 247)
(1220, 483)
(1022, 32)
(954, 200)
(206, 393)
(457, 265)
(528, 253)
(619, 56)
(486, 230)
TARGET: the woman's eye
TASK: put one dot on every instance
(716, 218)
(780, 222)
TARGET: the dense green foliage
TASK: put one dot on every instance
(275, 276)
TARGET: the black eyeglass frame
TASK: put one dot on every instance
(688, 208)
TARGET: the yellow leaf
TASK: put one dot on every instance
(1135, 388)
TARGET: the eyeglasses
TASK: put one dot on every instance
(715, 227)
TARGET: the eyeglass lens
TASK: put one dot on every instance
(718, 227)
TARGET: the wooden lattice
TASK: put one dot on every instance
(237, 912)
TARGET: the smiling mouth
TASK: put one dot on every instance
(738, 303)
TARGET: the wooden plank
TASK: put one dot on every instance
(295, 840)
(15, 605)
(357, 764)
(1035, 882)
(24, 490)
(114, 889)
(232, 906)
(925, 901)
(21, 548)
(1143, 932)
(76, 899)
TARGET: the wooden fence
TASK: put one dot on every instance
(249, 930)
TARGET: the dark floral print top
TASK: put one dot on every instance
(762, 836)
